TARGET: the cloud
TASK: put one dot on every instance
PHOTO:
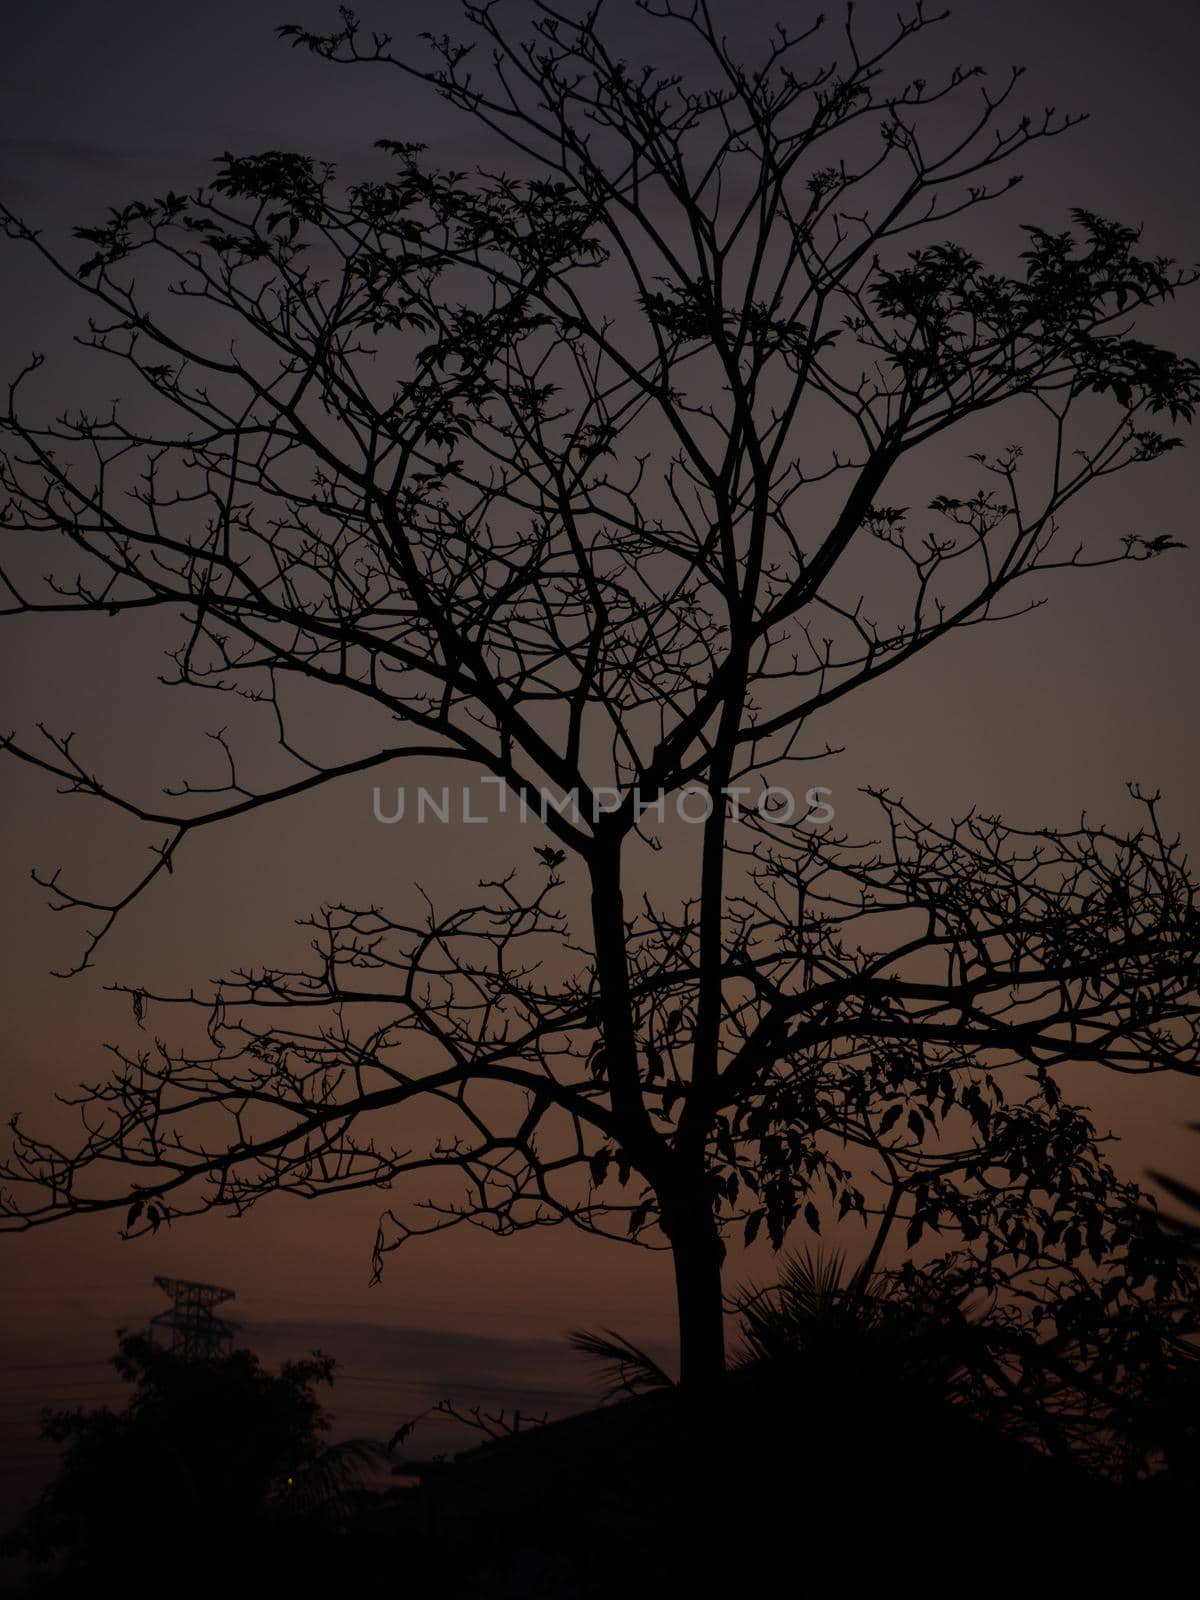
(436, 1356)
(389, 1375)
(53, 172)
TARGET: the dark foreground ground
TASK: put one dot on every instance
(758, 1492)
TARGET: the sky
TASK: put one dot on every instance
(1041, 720)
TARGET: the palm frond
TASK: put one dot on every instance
(628, 1369)
(325, 1483)
(812, 1298)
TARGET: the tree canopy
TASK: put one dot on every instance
(205, 1458)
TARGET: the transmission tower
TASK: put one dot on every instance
(197, 1333)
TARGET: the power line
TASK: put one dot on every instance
(456, 1383)
(51, 1366)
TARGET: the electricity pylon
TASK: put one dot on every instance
(197, 1334)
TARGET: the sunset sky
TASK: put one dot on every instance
(1039, 720)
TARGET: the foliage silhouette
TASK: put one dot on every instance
(842, 1435)
(628, 1370)
(218, 1458)
(572, 472)
(1075, 1372)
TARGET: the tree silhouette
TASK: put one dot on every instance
(204, 1459)
(573, 473)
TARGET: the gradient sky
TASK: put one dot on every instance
(1039, 720)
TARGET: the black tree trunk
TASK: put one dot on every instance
(698, 1254)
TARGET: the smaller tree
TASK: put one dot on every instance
(208, 1458)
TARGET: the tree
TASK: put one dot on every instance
(203, 1459)
(573, 471)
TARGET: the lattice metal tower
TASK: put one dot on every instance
(197, 1333)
